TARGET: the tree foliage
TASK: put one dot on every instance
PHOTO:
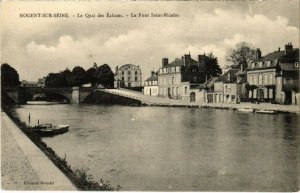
(105, 76)
(9, 76)
(212, 67)
(78, 76)
(55, 80)
(242, 54)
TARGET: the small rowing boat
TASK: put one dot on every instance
(50, 130)
(245, 110)
(266, 111)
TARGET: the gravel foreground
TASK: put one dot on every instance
(23, 165)
(16, 170)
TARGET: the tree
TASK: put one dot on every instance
(212, 66)
(105, 76)
(67, 74)
(9, 76)
(242, 54)
(92, 75)
(54, 80)
(78, 76)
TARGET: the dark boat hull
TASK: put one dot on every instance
(50, 132)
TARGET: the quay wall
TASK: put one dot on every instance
(100, 97)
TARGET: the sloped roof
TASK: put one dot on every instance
(276, 56)
(126, 66)
(153, 77)
(180, 62)
(209, 83)
(272, 56)
(226, 78)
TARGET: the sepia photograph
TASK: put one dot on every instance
(197, 96)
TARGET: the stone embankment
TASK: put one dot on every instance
(24, 166)
(159, 101)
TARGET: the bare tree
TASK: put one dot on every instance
(241, 55)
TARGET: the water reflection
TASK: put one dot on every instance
(177, 149)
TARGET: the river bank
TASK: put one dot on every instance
(165, 102)
(24, 166)
(42, 161)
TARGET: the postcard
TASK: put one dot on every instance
(150, 95)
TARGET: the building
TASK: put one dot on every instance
(26, 83)
(128, 75)
(275, 76)
(228, 88)
(41, 82)
(176, 79)
(151, 85)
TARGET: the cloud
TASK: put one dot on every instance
(142, 42)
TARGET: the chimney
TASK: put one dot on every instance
(152, 73)
(278, 49)
(187, 59)
(117, 69)
(288, 48)
(165, 61)
(201, 62)
(257, 54)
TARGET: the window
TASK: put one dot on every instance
(270, 93)
(271, 79)
(122, 72)
(135, 72)
(185, 89)
(250, 79)
(122, 78)
(266, 79)
(232, 97)
(297, 64)
(128, 72)
(255, 79)
(260, 78)
(172, 80)
(136, 78)
(128, 78)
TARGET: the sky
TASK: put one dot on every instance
(38, 46)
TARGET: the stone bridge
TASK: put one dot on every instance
(74, 95)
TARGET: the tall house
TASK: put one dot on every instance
(151, 85)
(275, 76)
(128, 76)
(175, 79)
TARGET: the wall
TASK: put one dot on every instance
(171, 82)
(199, 95)
(218, 86)
(154, 90)
(278, 89)
(297, 98)
(135, 72)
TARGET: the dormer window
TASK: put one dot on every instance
(268, 63)
(296, 64)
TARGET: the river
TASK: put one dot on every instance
(176, 149)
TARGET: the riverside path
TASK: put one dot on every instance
(159, 101)
(24, 166)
